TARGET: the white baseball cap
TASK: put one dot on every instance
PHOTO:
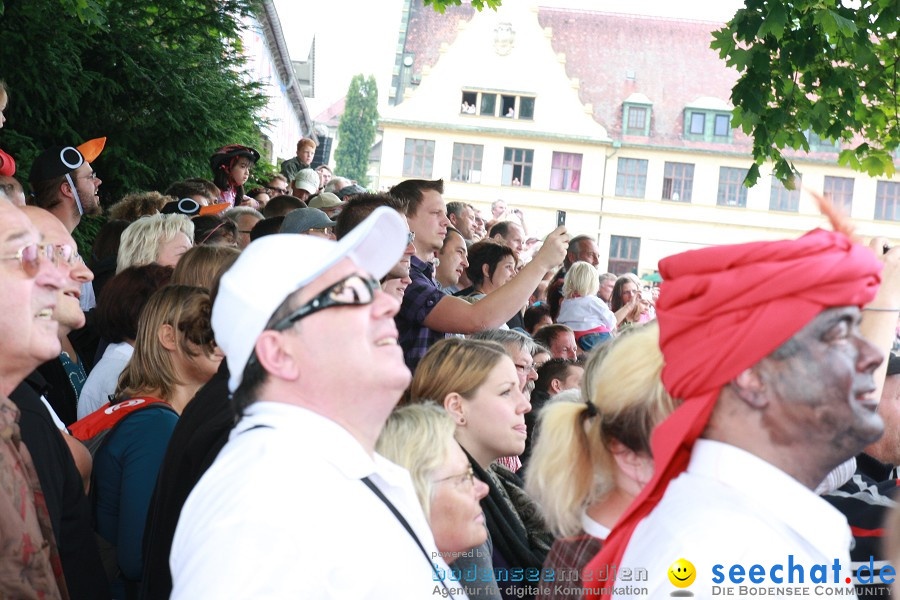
(307, 179)
(275, 266)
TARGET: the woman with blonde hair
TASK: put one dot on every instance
(419, 437)
(174, 355)
(592, 458)
(582, 310)
(477, 384)
(160, 239)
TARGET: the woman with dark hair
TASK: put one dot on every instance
(214, 230)
(118, 310)
(628, 303)
(490, 266)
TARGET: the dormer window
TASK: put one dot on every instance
(497, 104)
(636, 115)
(708, 120)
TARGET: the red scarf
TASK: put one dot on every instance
(721, 310)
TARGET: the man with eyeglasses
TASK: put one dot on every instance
(278, 185)
(297, 503)
(29, 284)
(62, 463)
(64, 183)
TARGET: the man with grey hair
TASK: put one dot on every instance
(336, 184)
(245, 218)
(462, 217)
(300, 466)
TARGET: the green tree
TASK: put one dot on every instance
(815, 65)
(441, 5)
(356, 131)
(160, 80)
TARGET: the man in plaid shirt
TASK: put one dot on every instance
(427, 314)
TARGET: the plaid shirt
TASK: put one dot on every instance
(420, 297)
(569, 555)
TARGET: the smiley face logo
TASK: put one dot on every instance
(682, 573)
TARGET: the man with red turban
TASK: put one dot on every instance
(762, 346)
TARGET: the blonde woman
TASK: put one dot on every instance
(592, 458)
(160, 239)
(582, 310)
(174, 355)
(477, 384)
(419, 437)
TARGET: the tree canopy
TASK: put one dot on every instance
(816, 66)
(356, 131)
(441, 5)
(160, 80)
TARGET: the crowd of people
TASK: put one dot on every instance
(307, 389)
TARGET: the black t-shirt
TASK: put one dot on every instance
(69, 508)
(201, 432)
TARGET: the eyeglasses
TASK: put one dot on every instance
(467, 478)
(30, 256)
(526, 368)
(324, 230)
(93, 176)
(410, 237)
(355, 290)
(278, 190)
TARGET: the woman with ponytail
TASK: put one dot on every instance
(592, 458)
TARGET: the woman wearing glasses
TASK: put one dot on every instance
(479, 387)
(174, 355)
(419, 437)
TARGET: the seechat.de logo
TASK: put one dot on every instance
(682, 574)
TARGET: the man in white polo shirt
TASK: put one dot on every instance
(298, 504)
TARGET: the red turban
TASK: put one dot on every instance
(721, 310)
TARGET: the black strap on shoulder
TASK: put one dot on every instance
(405, 524)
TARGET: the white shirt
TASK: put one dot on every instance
(731, 507)
(583, 314)
(282, 513)
(101, 383)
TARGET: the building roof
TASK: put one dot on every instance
(617, 58)
(331, 116)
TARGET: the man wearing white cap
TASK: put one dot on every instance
(298, 504)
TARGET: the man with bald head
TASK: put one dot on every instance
(777, 388)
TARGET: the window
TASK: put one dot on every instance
(722, 126)
(636, 123)
(623, 254)
(493, 104)
(469, 103)
(526, 107)
(887, 201)
(731, 187)
(466, 163)
(678, 180)
(517, 164)
(820, 144)
(488, 105)
(781, 198)
(418, 158)
(631, 177)
(840, 191)
(508, 107)
(565, 174)
(698, 123)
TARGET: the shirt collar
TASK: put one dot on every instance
(774, 492)
(331, 442)
(420, 265)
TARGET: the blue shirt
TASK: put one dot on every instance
(419, 299)
(125, 470)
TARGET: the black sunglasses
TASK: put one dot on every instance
(355, 290)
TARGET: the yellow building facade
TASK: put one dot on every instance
(565, 110)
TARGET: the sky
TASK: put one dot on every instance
(361, 36)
